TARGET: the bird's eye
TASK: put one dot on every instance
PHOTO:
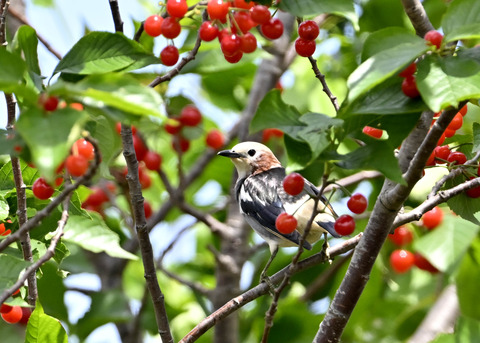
(251, 152)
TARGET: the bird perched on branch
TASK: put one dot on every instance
(262, 198)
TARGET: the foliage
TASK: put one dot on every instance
(109, 75)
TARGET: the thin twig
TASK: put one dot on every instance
(117, 18)
(321, 78)
(21, 18)
(418, 17)
(3, 21)
(45, 257)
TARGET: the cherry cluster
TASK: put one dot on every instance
(15, 314)
(307, 33)
(409, 84)
(3, 230)
(230, 22)
(401, 259)
(345, 224)
(190, 116)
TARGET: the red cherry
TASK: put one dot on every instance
(171, 28)
(148, 209)
(442, 152)
(76, 106)
(308, 30)
(456, 122)
(401, 236)
(293, 184)
(434, 38)
(2, 228)
(401, 261)
(5, 308)
(140, 148)
(190, 116)
(357, 203)
(409, 70)
(409, 87)
(145, 180)
(26, 313)
(449, 133)
(13, 316)
(243, 4)
(177, 8)
(48, 102)
(244, 21)
(215, 139)
(433, 218)
(272, 29)
(152, 160)
(285, 223)
(153, 25)
(423, 264)
(76, 165)
(96, 198)
(173, 126)
(463, 110)
(248, 43)
(84, 148)
(217, 9)
(208, 32)
(260, 14)
(457, 157)
(118, 128)
(182, 144)
(234, 58)
(304, 47)
(41, 189)
(267, 134)
(169, 55)
(230, 45)
(372, 132)
(473, 192)
(344, 225)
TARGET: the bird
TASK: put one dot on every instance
(261, 199)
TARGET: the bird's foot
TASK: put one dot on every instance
(265, 278)
(326, 252)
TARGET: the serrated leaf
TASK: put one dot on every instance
(104, 52)
(93, 235)
(49, 148)
(11, 268)
(43, 328)
(301, 8)
(120, 91)
(446, 245)
(469, 25)
(445, 81)
(376, 155)
(383, 65)
(467, 278)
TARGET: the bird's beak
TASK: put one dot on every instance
(229, 153)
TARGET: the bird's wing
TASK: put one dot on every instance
(259, 199)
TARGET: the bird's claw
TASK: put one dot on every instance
(326, 251)
(265, 278)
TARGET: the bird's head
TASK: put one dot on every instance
(251, 158)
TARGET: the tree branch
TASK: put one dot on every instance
(117, 18)
(418, 17)
(262, 289)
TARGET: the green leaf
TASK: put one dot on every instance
(121, 91)
(51, 289)
(11, 268)
(461, 204)
(26, 43)
(43, 328)
(11, 78)
(469, 25)
(107, 307)
(103, 52)
(50, 136)
(301, 8)
(383, 65)
(447, 244)
(376, 155)
(467, 279)
(93, 235)
(466, 329)
(386, 38)
(445, 81)
(476, 137)
(4, 208)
